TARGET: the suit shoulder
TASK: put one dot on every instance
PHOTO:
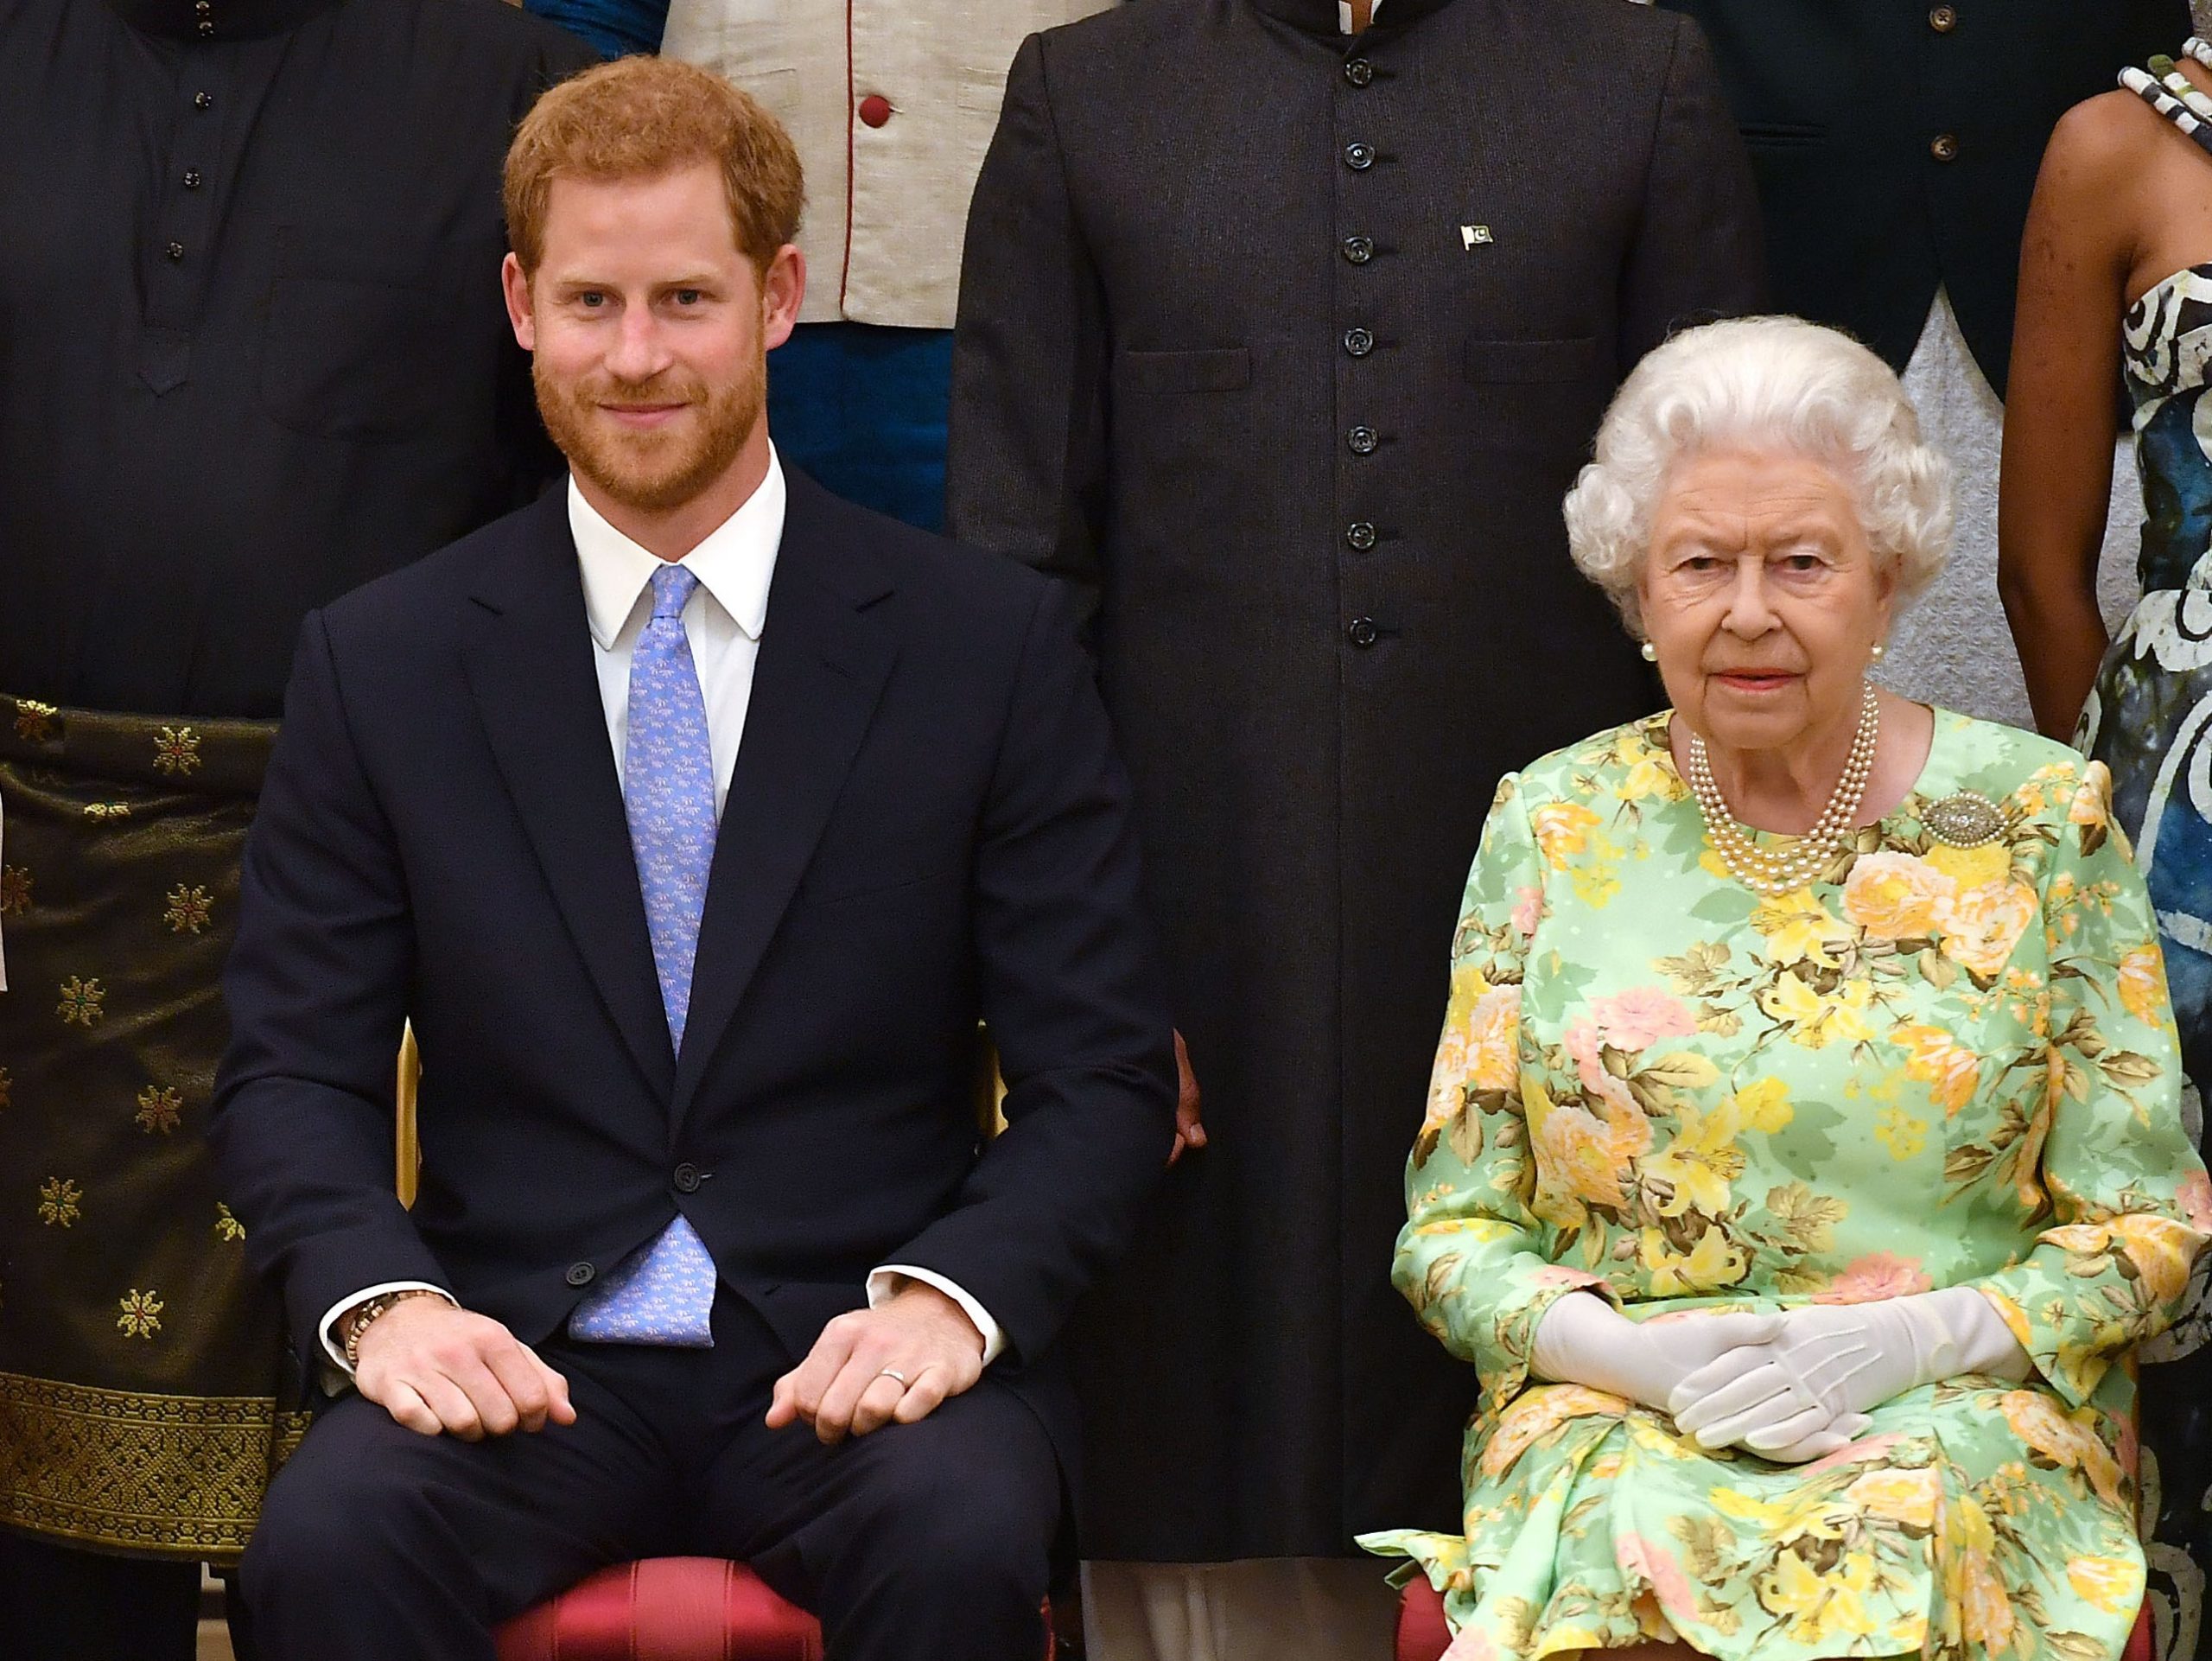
(1649, 38)
(1120, 31)
(527, 41)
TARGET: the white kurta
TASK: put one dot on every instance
(892, 104)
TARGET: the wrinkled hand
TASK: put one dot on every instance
(844, 1385)
(1189, 1132)
(437, 1369)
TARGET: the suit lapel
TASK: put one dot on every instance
(530, 667)
(826, 650)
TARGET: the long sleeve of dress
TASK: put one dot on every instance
(1469, 1257)
(2100, 1134)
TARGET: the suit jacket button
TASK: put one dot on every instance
(1359, 250)
(1358, 71)
(1361, 632)
(1359, 341)
(1359, 536)
(582, 1274)
(1359, 157)
(687, 1178)
(874, 109)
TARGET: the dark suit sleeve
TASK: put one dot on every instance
(1698, 252)
(303, 1122)
(1026, 468)
(1074, 1002)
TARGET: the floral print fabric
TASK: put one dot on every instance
(1937, 1066)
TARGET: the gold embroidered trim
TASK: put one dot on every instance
(80, 1002)
(159, 1107)
(181, 1475)
(177, 751)
(142, 1313)
(34, 720)
(58, 1199)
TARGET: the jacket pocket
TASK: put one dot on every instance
(359, 341)
(1522, 362)
(1781, 135)
(1222, 369)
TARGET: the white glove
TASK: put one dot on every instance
(1583, 1340)
(1791, 1397)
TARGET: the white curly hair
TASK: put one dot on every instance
(1761, 382)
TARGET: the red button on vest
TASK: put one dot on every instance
(875, 109)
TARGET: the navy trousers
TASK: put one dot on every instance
(926, 1540)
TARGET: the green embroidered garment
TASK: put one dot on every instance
(1940, 1065)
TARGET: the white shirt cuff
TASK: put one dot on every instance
(882, 1282)
(335, 1349)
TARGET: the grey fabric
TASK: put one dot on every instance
(1320, 653)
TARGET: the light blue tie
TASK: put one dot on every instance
(664, 1293)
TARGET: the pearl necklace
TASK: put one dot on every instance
(1773, 871)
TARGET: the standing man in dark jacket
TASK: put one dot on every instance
(1282, 334)
(253, 353)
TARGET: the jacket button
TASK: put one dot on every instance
(203, 100)
(1360, 535)
(875, 110)
(1359, 157)
(582, 1274)
(1943, 19)
(1362, 441)
(174, 250)
(1358, 342)
(1944, 147)
(1359, 250)
(1358, 71)
(688, 1178)
(1361, 631)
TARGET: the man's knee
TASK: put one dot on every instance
(964, 1511)
(332, 1513)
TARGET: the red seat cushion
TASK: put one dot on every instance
(1423, 1635)
(673, 1609)
(665, 1609)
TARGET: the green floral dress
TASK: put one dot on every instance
(1941, 1065)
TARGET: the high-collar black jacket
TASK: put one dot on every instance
(926, 826)
(1897, 141)
(1285, 346)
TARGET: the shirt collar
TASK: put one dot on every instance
(734, 563)
(231, 20)
(1324, 17)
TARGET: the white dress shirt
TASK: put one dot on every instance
(722, 621)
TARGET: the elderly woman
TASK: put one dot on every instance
(1803, 1156)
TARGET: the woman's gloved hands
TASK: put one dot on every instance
(1583, 1340)
(1806, 1390)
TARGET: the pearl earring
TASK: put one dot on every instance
(1650, 652)
(1878, 650)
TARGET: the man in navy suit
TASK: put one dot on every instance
(694, 817)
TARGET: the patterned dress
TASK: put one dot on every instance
(1940, 1065)
(2150, 721)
